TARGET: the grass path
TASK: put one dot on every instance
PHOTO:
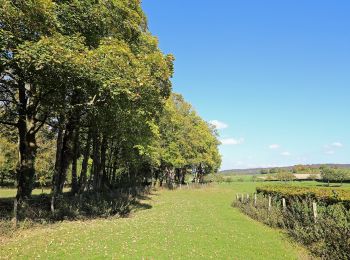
(183, 224)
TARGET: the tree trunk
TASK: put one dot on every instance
(84, 166)
(26, 164)
(96, 159)
(102, 168)
(200, 173)
(114, 177)
(26, 142)
(75, 186)
(183, 175)
(64, 156)
(57, 170)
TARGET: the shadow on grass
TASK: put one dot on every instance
(88, 205)
(330, 186)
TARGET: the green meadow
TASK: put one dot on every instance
(180, 224)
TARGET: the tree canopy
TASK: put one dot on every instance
(85, 91)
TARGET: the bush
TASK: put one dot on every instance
(328, 237)
(68, 206)
(321, 194)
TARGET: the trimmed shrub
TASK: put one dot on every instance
(327, 237)
(320, 194)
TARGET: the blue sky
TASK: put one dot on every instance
(273, 75)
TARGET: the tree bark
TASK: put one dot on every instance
(102, 168)
(75, 186)
(84, 166)
(114, 177)
(96, 159)
(59, 144)
(200, 173)
(66, 154)
(26, 164)
(27, 146)
(183, 175)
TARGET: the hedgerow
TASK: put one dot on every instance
(325, 195)
(327, 236)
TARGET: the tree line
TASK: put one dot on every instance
(86, 98)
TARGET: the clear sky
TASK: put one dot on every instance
(273, 75)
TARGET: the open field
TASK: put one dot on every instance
(175, 224)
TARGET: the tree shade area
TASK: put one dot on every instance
(86, 100)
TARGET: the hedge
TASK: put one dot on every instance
(327, 236)
(326, 195)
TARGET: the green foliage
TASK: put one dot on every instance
(328, 174)
(326, 238)
(304, 169)
(274, 170)
(284, 176)
(84, 82)
(322, 194)
(8, 158)
(185, 140)
(334, 175)
(44, 163)
(342, 174)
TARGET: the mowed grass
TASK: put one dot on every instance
(181, 224)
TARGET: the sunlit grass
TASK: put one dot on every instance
(181, 224)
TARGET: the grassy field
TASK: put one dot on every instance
(182, 224)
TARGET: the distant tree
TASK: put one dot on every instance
(274, 170)
(264, 171)
(298, 168)
(285, 176)
(340, 175)
(328, 174)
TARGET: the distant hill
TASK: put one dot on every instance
(258, 170)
